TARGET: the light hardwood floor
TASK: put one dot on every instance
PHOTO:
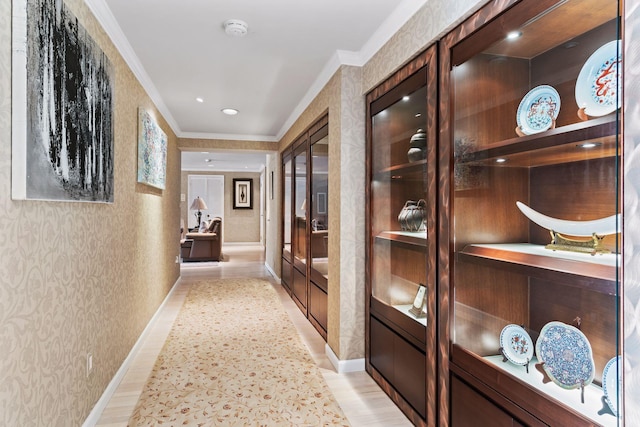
(362, 401)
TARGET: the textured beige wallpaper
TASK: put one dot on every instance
(79, 277)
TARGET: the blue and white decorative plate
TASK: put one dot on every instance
(538, 109)
(600, 80)
(612, 383)
(516, 344)
(566, 354)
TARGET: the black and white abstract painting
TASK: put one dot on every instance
(62, 121)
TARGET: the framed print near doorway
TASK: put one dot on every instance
(242, 193)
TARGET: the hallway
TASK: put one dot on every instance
(362, 401)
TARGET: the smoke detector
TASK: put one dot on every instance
(235, 28)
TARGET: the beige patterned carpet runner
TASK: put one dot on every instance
(233, 358)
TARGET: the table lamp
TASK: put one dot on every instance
(199, 205)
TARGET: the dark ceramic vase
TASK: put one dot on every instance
(412, 215)
(417, 146)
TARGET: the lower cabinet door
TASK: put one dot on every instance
(400, 363)
(286, 275)
(299, 289)
(470, 409)
(318, 308)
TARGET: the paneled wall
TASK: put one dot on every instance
(80, 277)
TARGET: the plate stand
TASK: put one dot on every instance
(505, 359)
(520, 133)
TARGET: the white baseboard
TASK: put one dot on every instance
(343, 366)
(102, 403)
(273, 273)
(242, 244)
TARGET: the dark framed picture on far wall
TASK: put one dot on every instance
(242, 193)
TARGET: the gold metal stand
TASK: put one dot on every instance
(591, 246)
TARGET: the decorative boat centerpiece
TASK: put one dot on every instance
(596, 230)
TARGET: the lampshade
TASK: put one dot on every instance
(198, 204)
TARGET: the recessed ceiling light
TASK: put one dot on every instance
(501, 160)
(230, 111)
(514, 35)
(418, 114)
(405, 98)
(207, 160)
(199, 99)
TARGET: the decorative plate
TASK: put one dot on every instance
(516, 344)
(612, 383)
(599, 80)
(538, 109)
(567, 355)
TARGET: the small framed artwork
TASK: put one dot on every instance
(152, 151)
(242, 193)
(419, 308)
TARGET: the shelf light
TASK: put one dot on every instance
(405, 98)
(514, 35)
(588, 145)
(501, 160)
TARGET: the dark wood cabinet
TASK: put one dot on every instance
(401, 290)
(498, 269)
(305, 261)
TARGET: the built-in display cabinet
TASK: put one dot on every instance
(493, 222)
(401, 244)
(529, 224)
(305, 262)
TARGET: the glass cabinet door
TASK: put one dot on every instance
(398, 204)
(300, 205)
(286, 211)
(536, 207)
(320, 206)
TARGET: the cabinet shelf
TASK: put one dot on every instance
(555, 146)
(413, 171)
(528, 384)
(596, 273)
(416, 238)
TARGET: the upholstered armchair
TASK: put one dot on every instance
(203, 246)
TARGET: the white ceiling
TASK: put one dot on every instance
(179, 51)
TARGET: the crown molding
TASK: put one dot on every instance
(227, 136)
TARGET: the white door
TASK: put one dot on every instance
(209, 188)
